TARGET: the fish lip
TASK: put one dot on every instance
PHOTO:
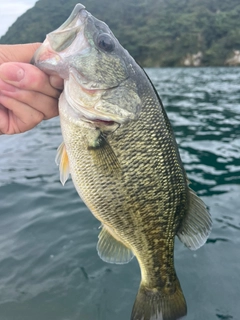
(52, 53)
(44, 53)
(70, 28)
(79, 7)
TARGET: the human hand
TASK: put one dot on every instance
(27, 95)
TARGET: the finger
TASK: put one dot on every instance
(3, 119)
(56, 82)
(28, 77)
(20, 117)
(48, 106)
(5, 86)
(18, 52)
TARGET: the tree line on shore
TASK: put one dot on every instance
(164, 33)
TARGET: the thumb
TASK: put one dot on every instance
(18, 52)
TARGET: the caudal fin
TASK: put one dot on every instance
(155, 305)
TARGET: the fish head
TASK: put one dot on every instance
(100, 78)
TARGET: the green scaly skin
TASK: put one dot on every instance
(145, 204)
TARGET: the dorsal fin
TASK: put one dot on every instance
(63, 163)
(196, 225)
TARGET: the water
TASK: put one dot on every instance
(49, 267)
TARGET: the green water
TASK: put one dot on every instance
(49, 267)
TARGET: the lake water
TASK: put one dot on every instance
(49, 267)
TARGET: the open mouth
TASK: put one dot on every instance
(62, 38)
(62, 43)
(74, 17)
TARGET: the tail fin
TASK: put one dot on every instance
(155, 305)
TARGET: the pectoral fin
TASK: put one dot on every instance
(196, 226)
(63, 163)
(104, 157)
(110, 249)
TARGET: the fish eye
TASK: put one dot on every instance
(105, 42)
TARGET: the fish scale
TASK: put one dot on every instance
(120, 149)
(148, 193)
(143, 215)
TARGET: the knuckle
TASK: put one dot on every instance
(37, 118)
(38, 80)
(3, 57)
(35, 79)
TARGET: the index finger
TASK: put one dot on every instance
(18, 52)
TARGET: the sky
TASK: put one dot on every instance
(10, 10)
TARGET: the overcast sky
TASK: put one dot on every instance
(10, 10)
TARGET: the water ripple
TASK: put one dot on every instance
(49, 268)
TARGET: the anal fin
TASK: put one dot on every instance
(112, 250)
(196, 225)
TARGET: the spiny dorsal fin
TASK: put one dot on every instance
(197, 223)
(110, 249)
(104, 157)
(63, 163)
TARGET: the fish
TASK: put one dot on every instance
(120, 150)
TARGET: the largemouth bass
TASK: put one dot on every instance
(120, 150)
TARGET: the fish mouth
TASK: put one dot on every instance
(68, 39)
(61, 53)
(70, 22)
(62, 38)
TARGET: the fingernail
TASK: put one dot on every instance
(10, 72)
